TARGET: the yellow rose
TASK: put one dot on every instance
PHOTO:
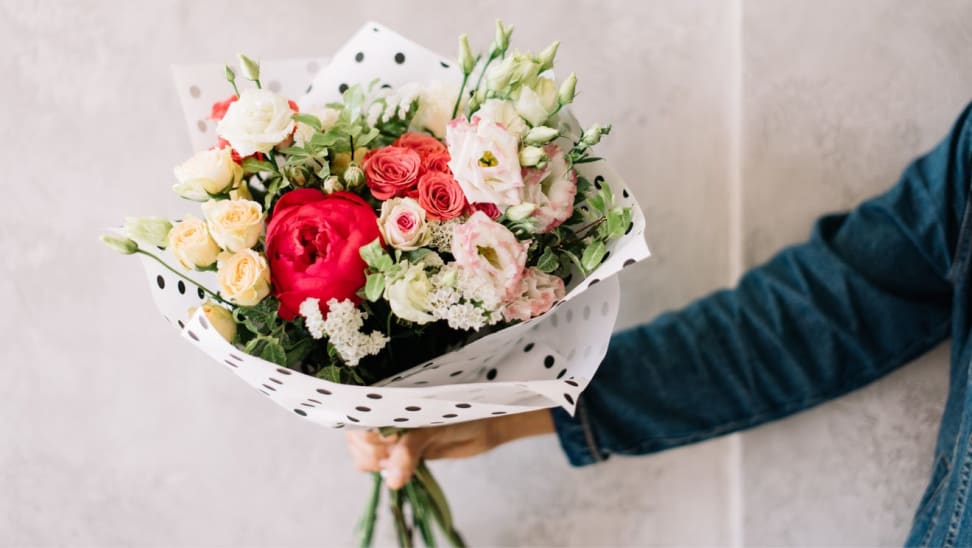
(191, 243)
(220, 318)
(234, 224)
(244, 278)
(208, 172)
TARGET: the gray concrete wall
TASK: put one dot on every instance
(736, 122)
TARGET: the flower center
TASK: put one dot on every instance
(488, 160)
(490, 255)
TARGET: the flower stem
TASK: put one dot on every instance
(367, 525)
(183, 276)
(462, 88)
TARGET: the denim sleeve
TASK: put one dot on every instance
(867, 293)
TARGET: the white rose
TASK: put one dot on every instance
(408, 296)
(484, 161)
(537, 103)
(403, 224)
(191, 243)
(211, 171)
(435, 103)
(504, 113)
(244, 277)
(257, 122)
(234, 224)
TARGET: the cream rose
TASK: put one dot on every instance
(503, 112)
(488, 252)
(234, 224)
(209, 172)
(484, 161)
(219, 317)
(537, 103)
(435, 102)
(403, 224)
(409, 295)
(538, 292)
(256, 122)
(551, 190)
(244, 277)
(191, 243)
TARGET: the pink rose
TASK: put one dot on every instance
(551, 189)
(440, 196)
(392, 171)
(485, 161)
(425, 145)
(538, 292)
(436, 161)
(488, 252)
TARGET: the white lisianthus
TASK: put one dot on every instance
(234, 224)
(191, 243)
(435, 102)
(484, 161)
(504, 113)
(538, 102)
(244, 277)
(409, 295)
(403, 224)
(259, 120)
(208, 172)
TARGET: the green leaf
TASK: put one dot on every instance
(548, 261)
(274, 352)
(330, 373)
(597, 202)
(252, 165)
(374, 286)
(588, 159)
(372, 252)
(295, 152)
(312, 121)
(616, 224)
(593, 256)
(298, 351)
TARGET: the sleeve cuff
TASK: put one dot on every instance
(577, 437)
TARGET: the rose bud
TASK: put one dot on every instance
(219, 317)
(124, 246)
(151, 230)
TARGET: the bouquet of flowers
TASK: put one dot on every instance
(396, 251)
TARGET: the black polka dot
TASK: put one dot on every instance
(359, 56)
(309, 88)
(308, 405)
(449, 416)
(275, 380)
(597, 182)
(181, 286)
(629, 262)
(549, 361)
(283, 371)
(463, 405)
(594, 281)
(606, 255)
(324, 391)
(313, 401)
(436, 422)
(235, 357)
(374, 29)
(561, 374)
(338, 426)
(200, 293)
(374, 396)
(229, 363)
(569, 398)
(203, 322)
(342, 88)
(265, 393)
(160, 281)
(420, 383)
(400, 419)
(444, 64)
(630, 227)
(352, 419)
(180, 324)
(528, 347)
(270, 388)
(428, 365)
(386, 86)
(572, 383)
(363, 409)
(625, 193)
(413, 408)
(193, 336)
(399, 58)
(455, 373)
(300, 412)
(491, 374)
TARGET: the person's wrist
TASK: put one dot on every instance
(522, 425)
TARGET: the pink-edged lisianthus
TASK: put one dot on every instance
(312, 244)
(538, 292)
(485, 161)
(488, 252)
(552, 189)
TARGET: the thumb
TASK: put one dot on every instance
(403, 458)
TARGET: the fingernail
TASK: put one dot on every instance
(391, 475)
(383, 463)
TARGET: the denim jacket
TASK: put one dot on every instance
(871, 290)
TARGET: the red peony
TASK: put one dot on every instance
(392, 171)
(312, 244)
(421, 143)
(441, 196)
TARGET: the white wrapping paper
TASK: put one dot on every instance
(545, 362)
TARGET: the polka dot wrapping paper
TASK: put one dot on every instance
(545, 362)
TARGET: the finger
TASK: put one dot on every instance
(404, 458)
(367, 455)
(364, 462)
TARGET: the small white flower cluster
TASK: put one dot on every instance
(440, 234)
(390, 104)
(450, 303)
(342, 328)
(310, 309)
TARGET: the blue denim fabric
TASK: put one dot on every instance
(871, 290)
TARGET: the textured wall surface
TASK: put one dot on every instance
(113, 432)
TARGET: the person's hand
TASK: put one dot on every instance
(397, 456)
